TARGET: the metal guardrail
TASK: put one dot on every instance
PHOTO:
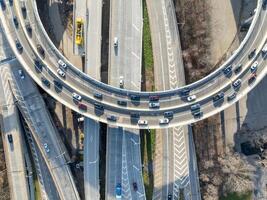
(110, 88)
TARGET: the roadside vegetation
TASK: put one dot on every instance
(147, 152)
(236, 196)
(147, 53)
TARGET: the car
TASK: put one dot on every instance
(153, 98)
(61, 73)
(122, 103)
(98, 106)
(264, 3)
(198, 114)
(252, 78)
(232, 96)
(135, 115)
(185, 92)
(218, 96)
(195, 107)
(227, 70)
(112, 118)
(10, 138)
(3, 4)
(18, 46)
(135, 186)
(15, 21)
(252, 54)
(142, 122)
(153, 104)
(23, 6)
(80, 119)
(135, 97)
(116, 41)
(28, 28)
(254, 67)
(191, 98)
(40, 50)
(38, 64)
(238, 68)
(168, 114)
(237, 83)
(58, 86)
(11, 2)
(169, 196)
(62, 64)
(21, 74)
(98, 95)
(45, 81)
(121, 83)
(118, 191)
(76, 97)
(264, 49)
(82, 106)
(46, 147)
(164, 121)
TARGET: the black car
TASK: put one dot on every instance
(11, 2)
(198, 114)
(18, 46)
(112, 118)
(195, 107)
(122, 103)
(38, 65)
(238, 68)
(135, 97)
(169, 197)
(135, 115)
(10, 138)
(185, 92)
(3, 4)
(99, 106)
(29, 28)
(252, 78)
(98, 95)
(227, 70)
(218, 97)
(168, 114)
(264, 4)
(135, 186)
(231, 96)
(45, 81)
(16, 23)
(252, 54)
(40, 50)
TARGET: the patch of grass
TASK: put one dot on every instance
(147, 43)
(37, 189)
(147, 151)
(236, 196)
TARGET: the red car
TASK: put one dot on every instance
(154, 98)
(82, 106)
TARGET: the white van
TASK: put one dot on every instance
(264, 49)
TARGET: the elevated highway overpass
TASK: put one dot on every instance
(171, 100)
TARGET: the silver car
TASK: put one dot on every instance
(61, 73)
(164, 121)
(153, 104)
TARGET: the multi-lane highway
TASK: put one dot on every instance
(170, 100)
(125, 72)
(12, 139)
(36, 115)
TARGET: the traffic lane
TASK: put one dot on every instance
(132, 140)
(91, 158)
(114, 168)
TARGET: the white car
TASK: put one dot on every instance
(62, 64)
(121, 82)
(76, 96)
(21, 74)
(254, 66)
(61, 73)
(142, 122)
(46, 147)
(164, 121)
(191, 98)
(116, 41)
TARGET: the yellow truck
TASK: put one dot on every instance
(79, 31)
